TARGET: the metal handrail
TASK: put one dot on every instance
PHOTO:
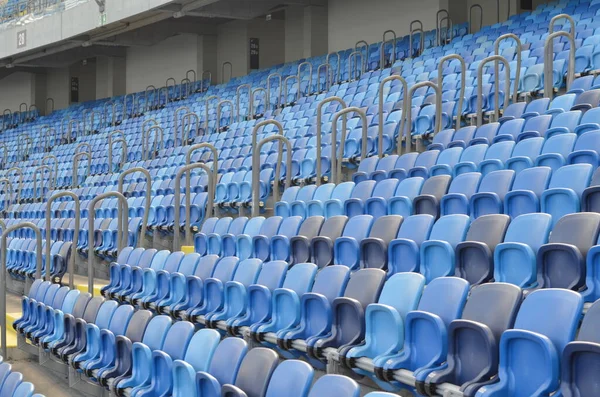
(27, 148)
(223, 71)
(219, 107)
(144, 124)
(353, 56)
(4, 117)
(438, 110)
(438, 25)
(328, 76)
(144, 171)
(52, 111)
(495, 59)
(269, 78)
(9, 194)
(519, 59)
(166, 91)
(22, 106)
(124, 150)
(122, 229)
(40, 171)
(76, 157)
(176, 123)
(359, 47)
(187, 119)
(310, 78)
(256, 163)
(402, 118)
(104, 113)
(382, 63)
(253, 97)
(137, 108)
(32, 107)
(319, 129)
(549, 62)
(5, 155)
(209, 80)
(154, 97)
(19, 172)
(170, 79)
(449, 29)
(38, 273)
(187, 84)
(336, 161)
(463, 74)
(327, 61)
(215, 155)
(478, 6)
(188, 73)
(71, 268)
(132, 96)
(156, 146)
(70, 136)
(237, 100)
(55, 172)
(422, 38)
(177, 199)
(206, 103)
(285, 87)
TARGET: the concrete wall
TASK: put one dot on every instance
(154, 65)
(18, 87)
(87, 80)
(58, 87)
(272, 45)
(232, 46)
(352, 20)
(294, 33)
(490, 15)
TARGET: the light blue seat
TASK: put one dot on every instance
(229, 241)
(432, 318)
(564, 123)
(444, 165)
(322, 194)
(404, 251)
(345, 249)
(214, 240)
(586, 149)
(524, 198)
(470, 159)
(589, 122)
(489, 198)
(261, 243)
(281, 248)
(421, 166)
(438, 253)
(201, 239)
(524, 154)
(401, 203)
(496, 156)
(456, 201)
(463, 137)
(563, 195)
(515, 258)
(361, 191)
(510, 130)
(335, 386)
(340, 194)
(283, 207)
(224, 367)
(555, 151)
(536, 333)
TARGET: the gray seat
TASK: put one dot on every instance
(428, 202)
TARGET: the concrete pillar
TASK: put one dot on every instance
(315, 31)
(110, 77)
(58, 87)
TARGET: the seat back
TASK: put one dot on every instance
(136, 330)
(365, 286)
(331, 281)
(226, 361)
(335, 385)
(206, 266)
(256, 370)
(202, 348)
(91, 310)
(311, 227)
(291, 378)
(177, 339)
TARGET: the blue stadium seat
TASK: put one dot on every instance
(527, 189)
(489, 198)
(432, 192)
(456, 201)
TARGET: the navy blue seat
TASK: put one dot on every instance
(432, 192)
(590, 199)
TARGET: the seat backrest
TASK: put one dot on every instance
(227, 360)
(385, 228)
(488, 229)
(253, 225)
(498, 182)
(120, 319)
(172, 263)
(300, 278)
(365, 286)
(535, 179)
(580, 229)
(591, 97)
(272, 274)
(335, 385)
(466, 184)
(385, 188)
(323, 192)
(474, 154)
(256, 370)
(334, 226)
(410, 187)
(538, 106)
(403, 292)
(237, 225)
(588, 332)
(105, 314)
(436, 186)
(500, 151)
(450, 228)
(209, 225)
(450, 156)
(416, 228)
(542, 308)
(494, 305)
(343, 190)
(530, 229)
(137, 326)
(576, 177)
(226, 268)
(289, 226)
(561, 144)
(445, 297)
(331, 281)
(512, 127)
(387, 163)
(206, 266)
(358, 227)
(405, 162)
(291, 378)
(289, 194)
(465, 134)
(201, 349)
(157, 332)
(177, 340)
(306, 193)
(363, 190)
(487, 131)
(427, 159)
(91, 310)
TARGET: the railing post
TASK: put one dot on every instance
(518, 71)
(336, 161)
(209, 80)
(219, 107)
(285, 88)
(493, 58)
(215, 155)
(75, 182)
(328, 77)
(328, 61)
(438, 25)
(51, 100)
(480, 8)
(253, 98)
(176, 123)
(269, 78)
(51, 200)
(206, 103)
(549, 62)
(319, 128)
(310, 78)
(40, 171)
(185, 136)
(177, 200)
(402, 118)
(223, 71)
(148, 198)
(422, 38)
(55, 173)
(169, 80)
(19, 172)
(38, 274)
(355, 56)
(438, 110)
(122, 230)
(256, 164)
(9, 193)
(158, 141)
(237, 100)
(463, 75)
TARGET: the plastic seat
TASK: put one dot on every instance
(432, 192)
(586, 150)
(556, 150)
(432, 318)
(587, 101)
(345, 249)
(563, 123)
(462, 137)
(496, 156)
(261, 243)
(224, 367)
(563, 195)
(524, 154)
(590, 199)
(221, 226)
(475, 256)
(588, 122)
(472, 349)
(302, 246)
(456, 201)
(580, 357)
(515, 258)
(404, 250)
(361, 191)
(401, 203)
(561, 262)
(214, 240)
(510, 130)
(283, 207)
(335, 386)
(341, 193)
(470, 159)
(524, 198)
(322, 194)
(489, 198)
(421, 167)
(437, 255)
(444, 165)
(253, 376)
(281, 245)
(536, 332)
